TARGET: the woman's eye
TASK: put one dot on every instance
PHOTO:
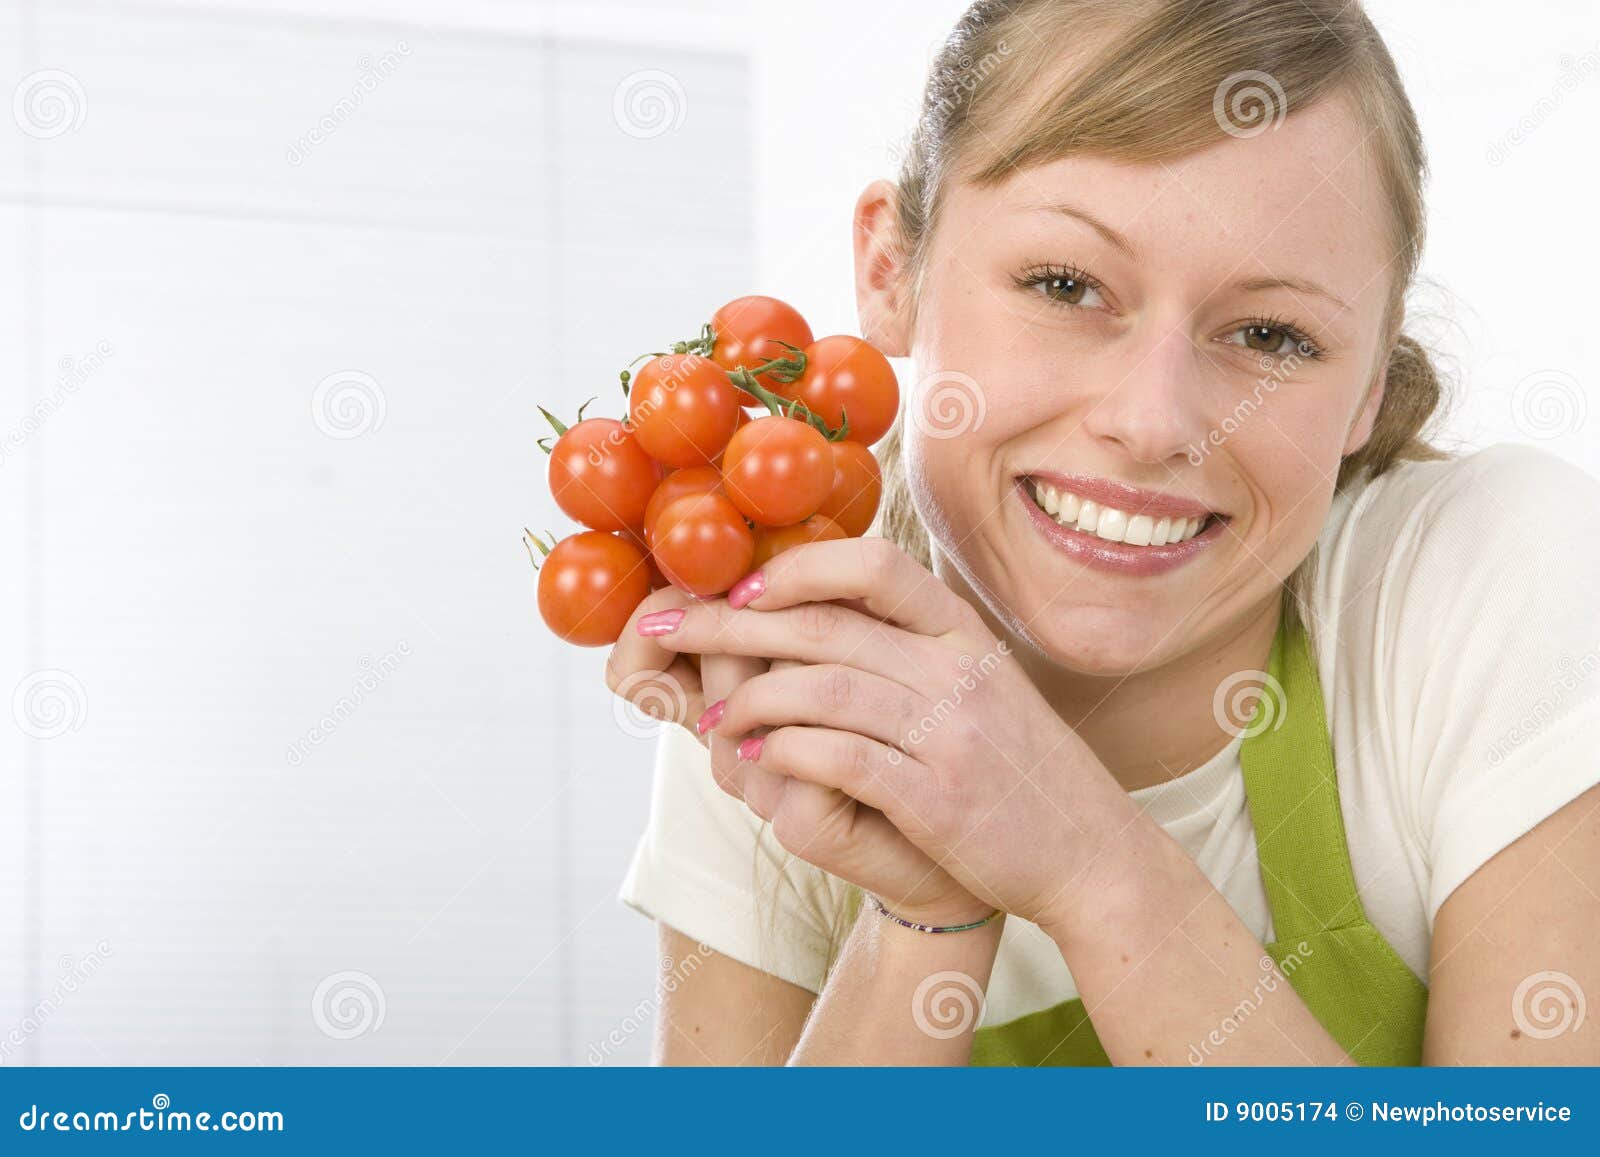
(1068, 290)
(1274, 340)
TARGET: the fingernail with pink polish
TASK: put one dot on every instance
(747, 590)
(712, 716)
(750, 749)
(660, 622)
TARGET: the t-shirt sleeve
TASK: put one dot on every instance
(1490, 611)
(708, 867)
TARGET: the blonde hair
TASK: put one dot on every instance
(1153, 80)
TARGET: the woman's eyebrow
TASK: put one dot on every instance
(1293, 284)
(1066, 209)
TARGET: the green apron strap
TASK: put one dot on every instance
(1293, 795)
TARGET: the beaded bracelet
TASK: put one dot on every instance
(915, 927)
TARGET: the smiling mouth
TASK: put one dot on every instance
(1113, 525)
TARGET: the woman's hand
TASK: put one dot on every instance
(955, 773)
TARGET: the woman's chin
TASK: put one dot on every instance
(1098, 641)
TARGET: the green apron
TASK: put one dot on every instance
(1367, 998)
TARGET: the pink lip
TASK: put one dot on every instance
(1129, 499)
(1118, 557)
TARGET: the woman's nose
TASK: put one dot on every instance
(1154, 410)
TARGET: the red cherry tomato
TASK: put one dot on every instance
(771, 540)
(589, 585)
(847, 376)
(702, 544)
(682, 409)
(857, 487)
(777, 470)
(678, 484)
(750, 332)
(600, 476)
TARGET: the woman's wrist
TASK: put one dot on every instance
(1132, 876)
(1109, 867)
(954, 916)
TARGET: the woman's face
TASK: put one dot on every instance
(1166, 342)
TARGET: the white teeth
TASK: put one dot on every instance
(1111, 524)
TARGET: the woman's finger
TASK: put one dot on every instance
(889, 584)
(810, 633)
(657, 680)
(826, 695)
(864, 769)
(722, 675)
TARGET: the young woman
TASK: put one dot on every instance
(1207, 712)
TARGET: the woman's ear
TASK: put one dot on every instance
(1361, 428)
(881, 289)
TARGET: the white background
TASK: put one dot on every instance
(213, 572)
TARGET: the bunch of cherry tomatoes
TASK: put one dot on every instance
(691, 489)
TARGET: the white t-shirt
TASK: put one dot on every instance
(1457, 617)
